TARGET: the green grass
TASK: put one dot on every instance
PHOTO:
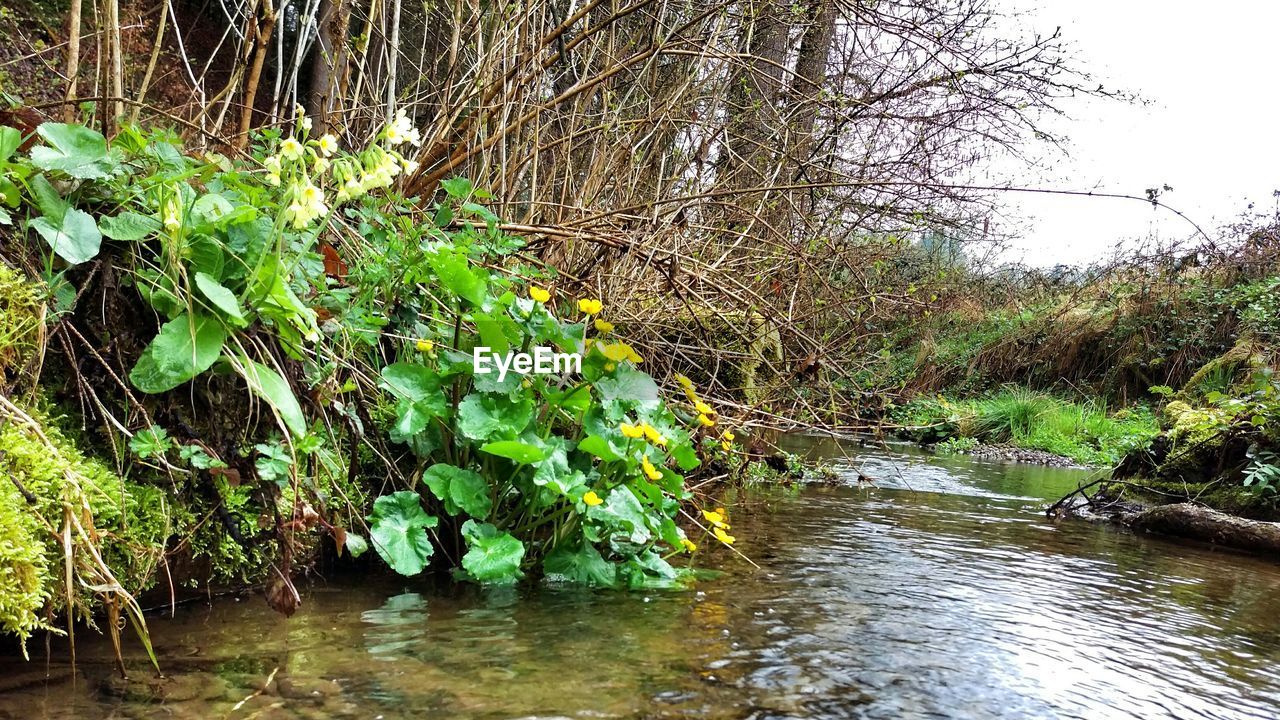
(1085, 432)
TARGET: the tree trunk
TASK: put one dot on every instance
(329, 62)
(73, 59)
(1201, 523)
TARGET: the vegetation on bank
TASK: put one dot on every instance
(1084, 432)
(306, 392)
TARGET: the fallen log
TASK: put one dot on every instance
(1201, 523)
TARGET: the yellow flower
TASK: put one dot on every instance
(706, 421)
(716, 518)
(726, 445)
(618, 352)
(689, 544)
(590, 306)
(539, 294)
(650, 471)
(591, 498)
(328, 144)
(704, 408)
(653, 435)
(723, 536)
(603, 326)
(632, 431)
(728, 435)
(425, 346)
(685, 382)
(291, 149)
(610, 367)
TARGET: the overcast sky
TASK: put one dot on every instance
(1211, 130)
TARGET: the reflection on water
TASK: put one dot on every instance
(940, 591)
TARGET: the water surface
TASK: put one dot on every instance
(936, 590)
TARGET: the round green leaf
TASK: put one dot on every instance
(398, 531)
(515, 450)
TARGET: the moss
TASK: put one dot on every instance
(1220, 373)
(127, 524)
(748, 341)
(21, 320)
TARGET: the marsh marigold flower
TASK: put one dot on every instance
(591, 498)
(590, 306)
(716, 518)
(539, 294)
(631, 431)
(723, 536)
(603, 326)
(618, 352)
(653, 435)
(425, 346)
(704, 408)
(650, 471)
(689, 545)
(706, 421)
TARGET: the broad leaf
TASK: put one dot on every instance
(10, 139)
(629, 389)
(459, 489)
(129, 226)
(492, 556)
(455, 273)
(622, 513)
(76, 150)
(523, 453)
(599, 447)
(221, 298)
(399, 532)
(268, 385)
(75, 238)
(584, 566)
(410, 381)
(493, 417)
(185, 347)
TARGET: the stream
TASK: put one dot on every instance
(938, 590)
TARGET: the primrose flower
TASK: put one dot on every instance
(706, 421)
(328, 144)
(410, 166)
(538, 294)
(632, 431)
(689, 545)
(650, 471)
(425, 346)
(291, 149)
(401, 130)
(589, 306)
(653, 436)
(723, 536)
(305, 122)
(591, 498)
(172, 217)
(603, 326)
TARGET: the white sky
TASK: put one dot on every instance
(1211, 130)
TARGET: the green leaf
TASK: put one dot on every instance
(75, 238)
(629, 389)
(222, 298)
(522, 453)
(5, 219)
(410, 381)
(584, 566)
(459, 489)
(48, 199)
(487, 417)
(599, 447)
(185, 347)
(456, 187)
(75, 150)
(129, 226)
(492, 556)
(268, 385)
(455, 273)
(356, 544)
(10, 139)
(622, 513)
(398, 530)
